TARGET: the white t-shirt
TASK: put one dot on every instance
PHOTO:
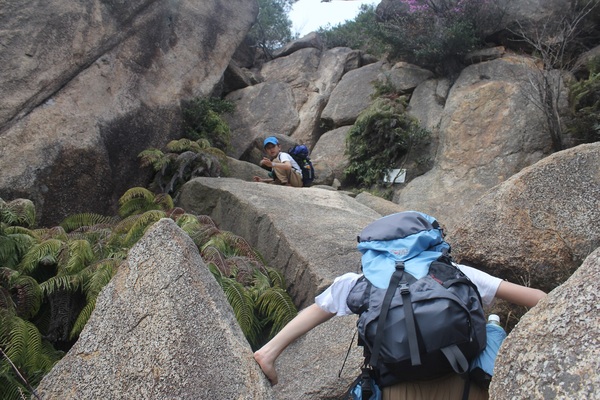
(333, 299)
(283, 157)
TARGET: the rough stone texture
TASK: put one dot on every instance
(255, 117)
(307, 41)
(427, 102)
(235, 78)
(333, 64)
(554, 351)
(244, 170)
(300, 84)
(297, 69)
(352, 95)
(162, 329)
(328, 156)
(487, 54)
(87, 86)
(382, 206)
(539, 225)
(528, 15)
(308, 369)
(489, 131)
(404, 76)
(582, 63)
(308, 233)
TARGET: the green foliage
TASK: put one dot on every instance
(438, 35)
(432, 34)
(381, 138)
(77, 221)
(200, 153)
(202, 120)
(22, 347)
(139, 200)
(362, 33)
(585, 108)
(275, 308)
(52, 277)
(256, 293)
(273, 27)
(17, 212)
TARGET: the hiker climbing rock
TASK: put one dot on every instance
(432, 309)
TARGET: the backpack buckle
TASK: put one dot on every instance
(404, 288)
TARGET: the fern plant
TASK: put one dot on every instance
(25, 357)
(50, 279)
(256, 293)
(185, 159)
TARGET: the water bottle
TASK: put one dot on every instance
(482, 368)
(494, 320)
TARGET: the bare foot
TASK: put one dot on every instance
(267, 365)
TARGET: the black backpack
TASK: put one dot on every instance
(301, 155)
(414, 329)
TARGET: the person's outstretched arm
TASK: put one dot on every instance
(520, 295)
(306, 320)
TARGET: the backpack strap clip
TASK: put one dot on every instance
(404, 288)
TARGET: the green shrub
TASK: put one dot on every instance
(439, 34)
(380, 140)
(363, 33)
(433, 34)
(272, 29)
(585, 108)
(202, 120)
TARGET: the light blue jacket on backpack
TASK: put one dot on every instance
(400, 237)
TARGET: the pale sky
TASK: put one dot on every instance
(310, 15)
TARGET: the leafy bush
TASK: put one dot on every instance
(380, 140)
(584, 124)
(435, 34)
(202, 120)
(364, 33)
(438, 34)
(273, 27)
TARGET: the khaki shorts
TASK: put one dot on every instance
(449, 387)
(292, 176)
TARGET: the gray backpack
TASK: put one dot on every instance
(414, 327)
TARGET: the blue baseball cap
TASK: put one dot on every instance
(270, 139)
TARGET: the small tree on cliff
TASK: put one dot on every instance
(273, 27)
(557, 44)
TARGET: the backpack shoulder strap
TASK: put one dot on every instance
(395, 281)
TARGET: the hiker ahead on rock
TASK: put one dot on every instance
(420, 314)
(284, 170)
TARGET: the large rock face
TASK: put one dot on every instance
(294, 90)
(87, 86)
(539, 225)
(554, 351)
(489, 130)
(162, 329)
